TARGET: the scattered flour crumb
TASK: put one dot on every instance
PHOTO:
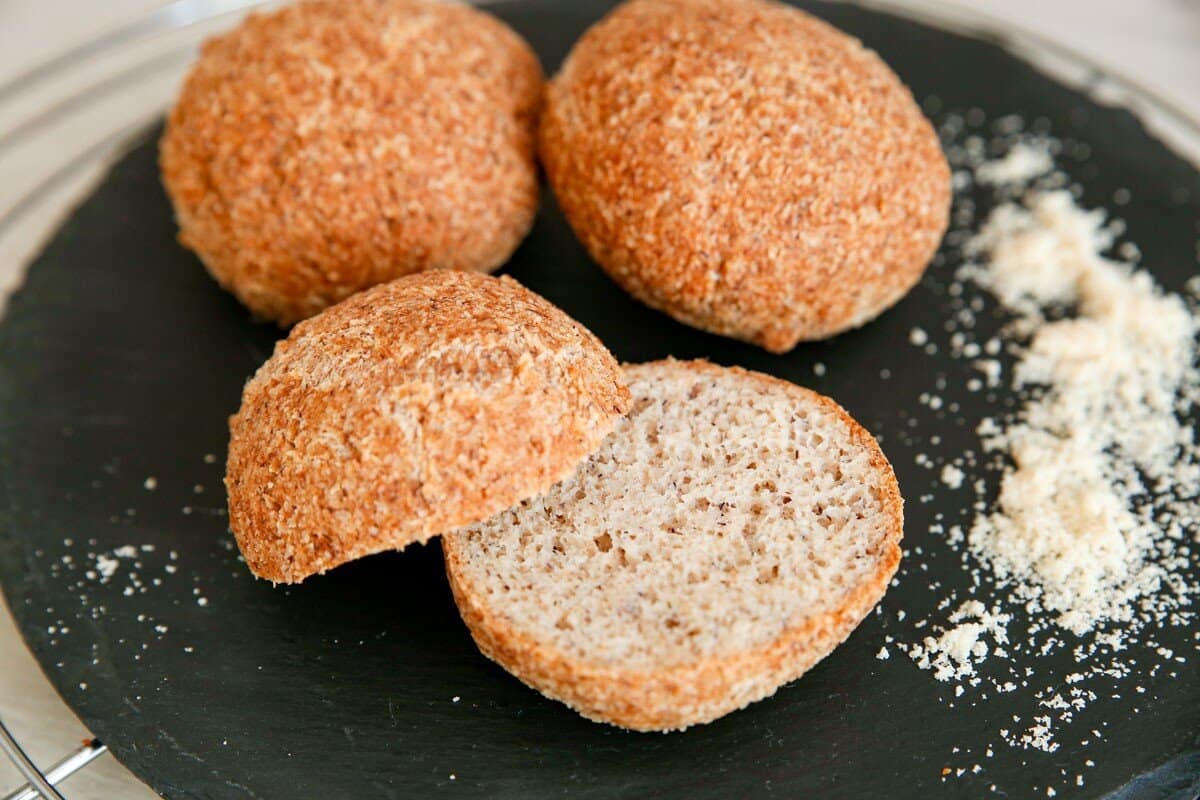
(954, 653)
(952, 476)
(1023, 163)
(106, 566)
(1039, 736)
(991, 369)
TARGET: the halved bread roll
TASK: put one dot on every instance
(410, 409)
(731, 531)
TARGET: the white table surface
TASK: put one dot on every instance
(1153, 42)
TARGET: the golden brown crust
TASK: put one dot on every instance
(410, 409)
(329, 146)
(676, 697)
(744, 167)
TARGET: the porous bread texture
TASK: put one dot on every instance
(412, 408)
(731, 531)
(744, 167)
(325, 147)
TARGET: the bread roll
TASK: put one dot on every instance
(730, 532)
(744, 167)
(415, 407)
(328, 146)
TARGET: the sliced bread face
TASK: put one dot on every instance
(729, 533)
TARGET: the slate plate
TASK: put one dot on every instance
(120, 361)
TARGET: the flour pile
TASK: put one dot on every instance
(1077, 510)
(1099, 456)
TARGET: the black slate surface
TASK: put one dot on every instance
(121, 360)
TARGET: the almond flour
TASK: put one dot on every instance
(1079, 538)
(1024, 162)
(1080, 517)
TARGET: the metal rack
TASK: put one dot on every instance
(42, 784)
(163, 41)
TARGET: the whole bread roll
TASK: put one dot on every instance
(331, 145)
(744, 167)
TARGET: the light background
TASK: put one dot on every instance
(1156, 43)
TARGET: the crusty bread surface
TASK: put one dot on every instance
(331, 145)
(730, 532)
(744, 167)
(415, 407)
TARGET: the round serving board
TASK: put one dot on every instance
(121, 360)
